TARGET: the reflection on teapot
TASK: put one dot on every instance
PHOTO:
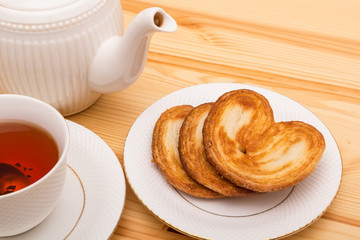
(68, 52)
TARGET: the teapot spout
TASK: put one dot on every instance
(120, 60)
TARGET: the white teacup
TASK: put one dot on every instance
(24, 209)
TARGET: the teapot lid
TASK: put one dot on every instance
(40, 15)
(35, 5)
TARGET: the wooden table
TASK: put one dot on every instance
(306, 50)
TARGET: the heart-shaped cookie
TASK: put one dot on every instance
(247, 147)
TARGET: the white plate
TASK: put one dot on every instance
(93, 196)
(265, 216)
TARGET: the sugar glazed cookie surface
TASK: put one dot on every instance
(193, 158)
(247, 147)
(166, 155)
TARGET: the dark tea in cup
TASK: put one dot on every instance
(34, 143)
(27, 153)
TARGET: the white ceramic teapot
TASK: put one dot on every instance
(68, 52)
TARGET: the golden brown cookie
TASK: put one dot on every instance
(193, 158)
(244, 144)
(166, 155)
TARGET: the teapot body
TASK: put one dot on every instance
(49, 60)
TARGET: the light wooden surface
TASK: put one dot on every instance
(306, 50)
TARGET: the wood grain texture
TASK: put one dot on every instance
(306, 50)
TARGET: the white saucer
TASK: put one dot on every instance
(93, 196)
(264, 216)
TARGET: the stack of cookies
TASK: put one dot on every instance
(233, 147)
